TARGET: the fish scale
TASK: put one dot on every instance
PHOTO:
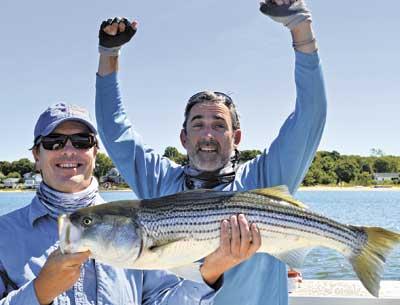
(195, 219)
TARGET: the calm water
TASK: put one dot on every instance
(374, 208)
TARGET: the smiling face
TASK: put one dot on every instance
(69, 169)
(209, 138)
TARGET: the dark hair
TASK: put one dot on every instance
(215, 97)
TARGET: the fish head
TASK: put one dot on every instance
(111, 238)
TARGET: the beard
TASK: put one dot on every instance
(207, 156)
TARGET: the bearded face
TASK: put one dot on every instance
(209, 138)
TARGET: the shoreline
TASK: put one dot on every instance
(301, 188)
(33, 190)
(350, 188)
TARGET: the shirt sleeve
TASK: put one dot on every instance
(291, 153)
(142, 168)
(22, 296)
(161, 288)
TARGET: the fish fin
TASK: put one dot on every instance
(280, 192)
(164, 256)
(294, 258)
(369, 262)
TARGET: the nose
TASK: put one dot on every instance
(69, 148)
(207, 132)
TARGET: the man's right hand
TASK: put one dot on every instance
(59, 273)
(114, 33)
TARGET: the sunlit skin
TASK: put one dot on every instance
(209, 138)
(69, 169)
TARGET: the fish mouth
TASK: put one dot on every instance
(68, 234)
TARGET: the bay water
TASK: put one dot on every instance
(370, 208)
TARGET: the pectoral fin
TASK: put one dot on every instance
(294, 258)
(169, 255)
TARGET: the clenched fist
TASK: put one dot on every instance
(114, 33)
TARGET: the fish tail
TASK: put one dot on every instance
(369, 261)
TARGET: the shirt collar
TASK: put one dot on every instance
(36, 210)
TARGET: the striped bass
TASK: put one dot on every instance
(176, 230)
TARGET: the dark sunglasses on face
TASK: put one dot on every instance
(55, 141)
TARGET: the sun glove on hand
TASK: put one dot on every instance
(289, 15)
(110, 45)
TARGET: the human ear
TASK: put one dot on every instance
(237, 136)
(36, 153)
(183, 137)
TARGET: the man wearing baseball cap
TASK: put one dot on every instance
(32, 268)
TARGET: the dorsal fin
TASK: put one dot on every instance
(280, 192)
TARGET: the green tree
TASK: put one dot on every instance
(103, 165)
(381, 165)
(2, 176)
(366, 167)
(173, 154)
(246, 155)
(5, 167)
(312, 177)
(22, 166)
(376, 152)
(346, 170)
(364, 178)
(14, 175)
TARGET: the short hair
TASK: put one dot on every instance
(213, 97)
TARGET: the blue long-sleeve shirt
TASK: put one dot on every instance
(29, 235)
(262, 279)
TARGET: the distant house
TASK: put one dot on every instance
(32, 181)
(113, 176)
(11, 182)
(392, 177)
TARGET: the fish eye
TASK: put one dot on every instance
(87, 221)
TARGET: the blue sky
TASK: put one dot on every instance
(49, 54)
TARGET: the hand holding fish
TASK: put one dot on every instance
(239, 244)
(59, 274)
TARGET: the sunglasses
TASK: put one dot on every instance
(194, 98)
(57, 141)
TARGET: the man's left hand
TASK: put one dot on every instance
(237, 245)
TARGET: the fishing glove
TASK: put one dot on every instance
(110, 45)
(289, 15)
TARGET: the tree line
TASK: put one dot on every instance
(327, 168)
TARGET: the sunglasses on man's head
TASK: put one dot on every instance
(55, 141)
(203, 95)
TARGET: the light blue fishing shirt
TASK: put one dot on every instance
(29, 235)
(262, 279)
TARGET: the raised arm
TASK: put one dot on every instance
(141, 167)
(291, 153)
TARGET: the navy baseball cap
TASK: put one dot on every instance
(59, 113)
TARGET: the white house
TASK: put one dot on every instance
(113, 176)
(381, 177)
(32, 180)
(11, 182)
